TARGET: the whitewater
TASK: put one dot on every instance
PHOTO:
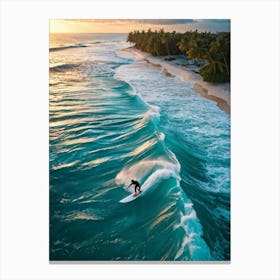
(114, 117)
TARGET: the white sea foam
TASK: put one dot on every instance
(125, 55)
(158, 176)
(193, 243)
(153, 112)
(148, 172)
(161, 136)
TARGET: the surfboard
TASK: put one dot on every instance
(130, 198)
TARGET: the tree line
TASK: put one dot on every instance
(211, 51)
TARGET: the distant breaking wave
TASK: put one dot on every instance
(97, 42)
(64, 67)
(67, 47)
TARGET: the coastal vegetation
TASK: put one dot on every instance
(209, 51)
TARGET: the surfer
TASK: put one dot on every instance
(137, 186)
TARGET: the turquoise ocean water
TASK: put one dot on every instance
(114, 118)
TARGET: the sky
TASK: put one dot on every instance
(127, 25)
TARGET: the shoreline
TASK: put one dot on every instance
(219, 93)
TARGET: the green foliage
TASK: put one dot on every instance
(220, 77)
(205, 46)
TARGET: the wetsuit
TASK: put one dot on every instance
(137, 185)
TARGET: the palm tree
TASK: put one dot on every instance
(183, 45)
(213, 66)
(195, 51)
(165, 38)
(156, 43)
(220, 48)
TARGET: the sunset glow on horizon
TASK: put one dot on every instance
(127, 25)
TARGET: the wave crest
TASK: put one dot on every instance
(55, 49)
(64, 67)
(148, 172)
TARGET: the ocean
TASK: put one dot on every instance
(112, 118)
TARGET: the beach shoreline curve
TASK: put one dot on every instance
(219, 93)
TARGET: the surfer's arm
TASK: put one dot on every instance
(129, 186)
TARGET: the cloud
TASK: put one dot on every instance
(135, 21)
(213, 25)
(215, 21)
(164, 21)
(127, 25)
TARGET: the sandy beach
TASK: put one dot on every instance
(220, 93)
